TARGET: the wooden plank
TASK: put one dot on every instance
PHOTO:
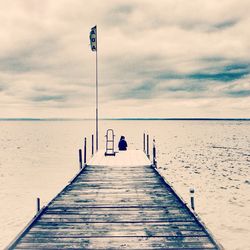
(117, 211)
(119, 243)
(117, 193)
(144, 212)
(118, 218)
(96, 206)
(77, 238)
(114, 199)
(116, 208)
(108, 186)
(84, 191)
(183, 226)
(115, 229)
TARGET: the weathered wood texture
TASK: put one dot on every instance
(108, 207)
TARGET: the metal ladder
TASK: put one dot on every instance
(110, 143)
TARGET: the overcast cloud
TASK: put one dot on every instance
(165, 58)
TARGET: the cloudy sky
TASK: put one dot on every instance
(165, 58)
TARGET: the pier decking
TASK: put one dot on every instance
(116, 202)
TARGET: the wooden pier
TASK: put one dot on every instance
(116, 202)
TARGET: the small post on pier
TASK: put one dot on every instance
(92, 151)
(144, 141)
(80, 158)
(38, 205)
(154, 155)
(85, 151)
(192, 197)
(148, 147)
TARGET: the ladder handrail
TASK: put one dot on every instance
(110, 133)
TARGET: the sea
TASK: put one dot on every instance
(39, 157)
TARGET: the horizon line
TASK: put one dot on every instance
(129, 119)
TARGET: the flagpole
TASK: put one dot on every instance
(96, 118)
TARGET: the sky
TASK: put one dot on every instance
(165, 58)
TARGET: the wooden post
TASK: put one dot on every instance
(154, 154)
(85, 151)
(148, 147)
(144, 141)
(38, 205)
(192, 197)
(92, 145)
(80, 158)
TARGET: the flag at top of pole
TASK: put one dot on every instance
(93, 38)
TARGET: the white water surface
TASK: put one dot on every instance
(38, 158)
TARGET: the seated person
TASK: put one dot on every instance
(122, 144)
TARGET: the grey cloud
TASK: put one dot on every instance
(243, 67)
(190, 87)
(222, 76)
(40, 89)
(213, 59)
(143, 90)
(226, 73)
(15, 65)
(3, 86)
(46, 98)
(118, 15)
(123, 9)
(238, 93)
(58, 94)
(170, 75)
(226, 24)
(33, 57)
(209, 26)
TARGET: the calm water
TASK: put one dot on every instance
(38, 158)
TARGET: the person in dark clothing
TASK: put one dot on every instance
(122, 144)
